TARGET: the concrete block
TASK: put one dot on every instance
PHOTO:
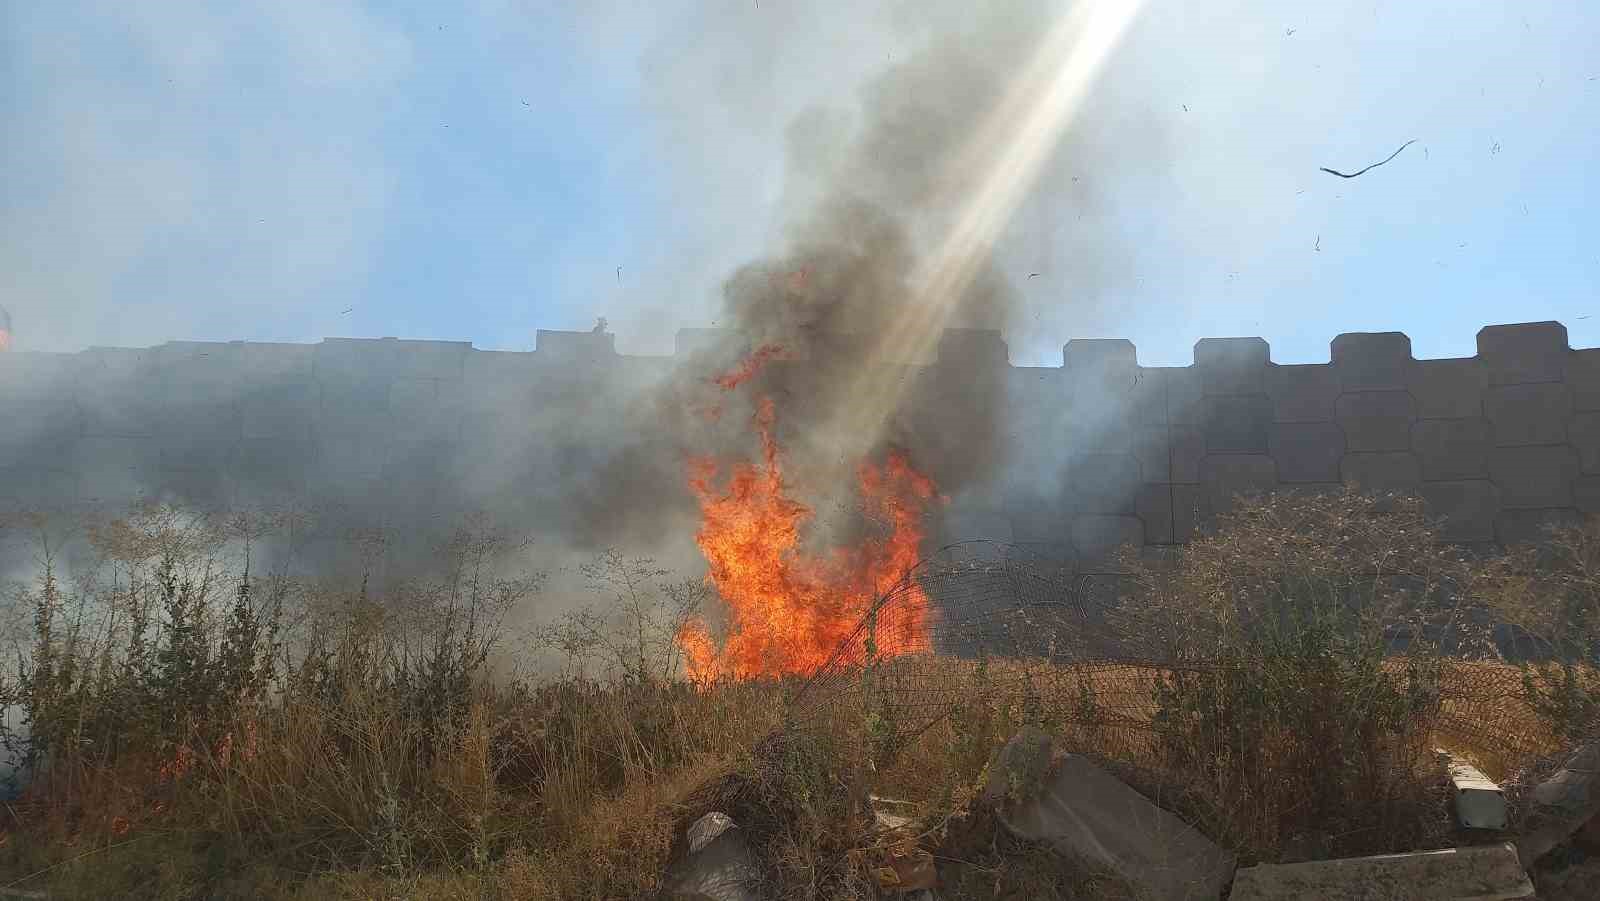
(197, 383)
(1189, 512)
(1232, 365)
(1583, 377)
(1099, 430)
(976, 524)
(44, 369)
(1227, 475)
(1583, 431)
(1524, 353)
(1528, 414)
(349, 455)
(116, 394)
(181, 355)
(363, 359)
(205, 487)
(718, 864)
(1237, 424)
(1152, 447)
(1452, 448)
(1171, 513)
(1449, 389)
(1303, 393)
(1586, 494)
(1383, 472)
(1169, 454)
(432, 359)
(1103, 483)
(1479, 873)
(280, 409)
(1307, 451)
(204, 437)
(271, 362)
(275, 465)
(1154, 509)
(1184, 394)
(1084, 812)
(1526, 526)
(38, 487)
(111, 470)
(490, 375)
(407, 396)
(420, 414)
(1469, 508)
(1147, 401)
(1108, 363)
(1479, 802)
(962, 347)
(1534, 476)
(1563, 803)
(356, 407)
(37, 423)
(1372, 361)
(1096, 535)
(1376, 420)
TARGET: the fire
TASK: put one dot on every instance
(747, 370)
(787, 610)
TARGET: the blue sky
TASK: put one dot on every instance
(253, 171)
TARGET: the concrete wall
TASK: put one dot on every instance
(1100, 449)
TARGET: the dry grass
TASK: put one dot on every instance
(576, 796)
(368, 773)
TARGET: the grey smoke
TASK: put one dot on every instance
(868, 186)
(862, 188)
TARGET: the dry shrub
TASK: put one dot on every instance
(1284, 721)
(384, 761)
(1551, 589)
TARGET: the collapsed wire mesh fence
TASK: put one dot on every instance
(984, 622)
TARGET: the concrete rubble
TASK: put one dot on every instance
(1479, 801)
(1486, 873)
(1563, 805)
(900, 866)
(719, 865)
(1081, 810)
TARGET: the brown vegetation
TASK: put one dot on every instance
(201, 729)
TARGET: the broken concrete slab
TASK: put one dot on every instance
(903, 869)
(1085, 812)
(890, 815)
(1479, 801)
(719, 865)
(1486, 873)
(1018, 768)
(1562, 804)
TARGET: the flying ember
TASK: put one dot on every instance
(787, 609)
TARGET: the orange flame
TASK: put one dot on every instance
(787, 611)
(747, 370)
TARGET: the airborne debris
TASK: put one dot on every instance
(1373, 166)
